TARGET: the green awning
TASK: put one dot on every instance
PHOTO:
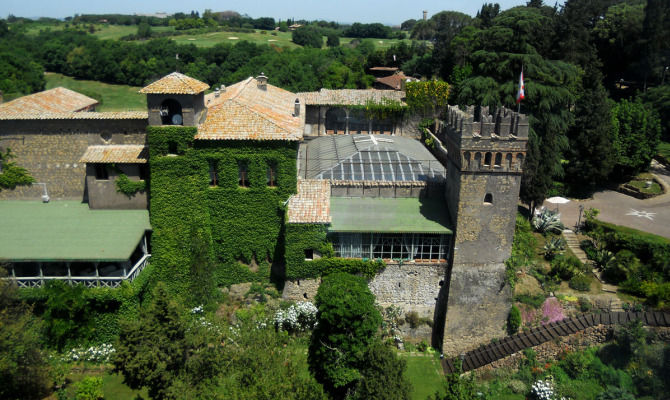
(401, 215)
(68, 231)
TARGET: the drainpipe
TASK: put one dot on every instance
(45, 194)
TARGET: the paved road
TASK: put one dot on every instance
(651, 215)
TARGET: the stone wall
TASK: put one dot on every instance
(409, 286)
(50, 150)
(103, 193)
(315, 122)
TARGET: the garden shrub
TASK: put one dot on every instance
(581, 282)
(90, 388)
(566, 267)
(513, 320)
(534, 301)
(412, 319)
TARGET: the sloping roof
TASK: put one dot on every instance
(395, 81)
(312, 203)
(73, 115)
(399, 215)
(247, 112)
(68, 230)
(120, 154)
(55, 100)
(175, 83)
(391, 69)
(346, 97)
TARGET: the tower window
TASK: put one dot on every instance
(272, 175)
(509, 160)
(487, 159)
(243, 173)
(488, 199)
(101, 172)
(498, 162)
(213, 173)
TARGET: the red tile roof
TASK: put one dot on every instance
(244, 111)
(312, 203)
(346, 97)
(120, 154)
(73, 115)
(175, 83)
(395, 81)
(57, 99)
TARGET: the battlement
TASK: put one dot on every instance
(477, 122)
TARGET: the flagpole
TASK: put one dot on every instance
(518, 108)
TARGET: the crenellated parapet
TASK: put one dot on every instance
(478, 140)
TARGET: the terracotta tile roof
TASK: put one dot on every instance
(121, 154)
(73, 115)
(175, 83)
(57, 99)
(395, 81)
(345, 97)
(246, 112)
(312, 203)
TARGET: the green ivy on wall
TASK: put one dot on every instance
(129, 188)
(243, 224)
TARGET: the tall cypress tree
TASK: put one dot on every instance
(591, 154)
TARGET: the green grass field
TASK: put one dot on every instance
(282, 39)
(425, 374)
(112, 386)
(111, 97)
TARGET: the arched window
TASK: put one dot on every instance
(466, 159)
(478, 160)
(171, 113)
(336, 121)
(488, 199)
(358, 123)
(519, 160)
(498, 162)
(508, 158)
(487, 159)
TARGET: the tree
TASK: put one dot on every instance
(24, 371)
(347, 325)
(333, 40)
(429, 97)
(408, 24)
(382, 376)
(67, 315)
(591, 153)
(152, 350)
(637, 132)
(143, 30)
(12, 175)
(308, 37)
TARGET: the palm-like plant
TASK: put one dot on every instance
(548, 221)
(553, 246)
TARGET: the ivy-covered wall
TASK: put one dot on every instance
(242, 224)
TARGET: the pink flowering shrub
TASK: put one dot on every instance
(552, 311)
(528, 315)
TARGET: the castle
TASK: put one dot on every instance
(277, 183)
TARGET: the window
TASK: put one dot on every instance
(101, 172)
(172, 147)
(487, 159)
(498, 162)
(143, 172)
(213, 173)
(272, 175)
(488, 199)
(243, 174)
(309, 255)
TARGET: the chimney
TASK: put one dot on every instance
(425, 15)
(262, 81)
(217, 93)
(223, 88)
(296, 111)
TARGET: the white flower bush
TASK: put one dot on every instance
(197, 310)
(98, 354)
(298, 317)
(544, 390)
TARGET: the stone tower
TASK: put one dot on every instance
(484, 165)
(176, 99)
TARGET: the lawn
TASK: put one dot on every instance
(112, 386)
(111, 97)
(425, 374)
(282, 39)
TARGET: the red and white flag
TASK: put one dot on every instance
(521, 94)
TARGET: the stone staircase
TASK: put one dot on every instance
(572, 241)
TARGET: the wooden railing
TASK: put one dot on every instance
(511, 344)
(88, 281)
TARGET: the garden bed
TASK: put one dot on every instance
(643, 186)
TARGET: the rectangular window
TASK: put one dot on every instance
(272, 175)
(101, 172)
(172, 148)
(309, 255)
(243, 175)
(213, 173)
(143, 172)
